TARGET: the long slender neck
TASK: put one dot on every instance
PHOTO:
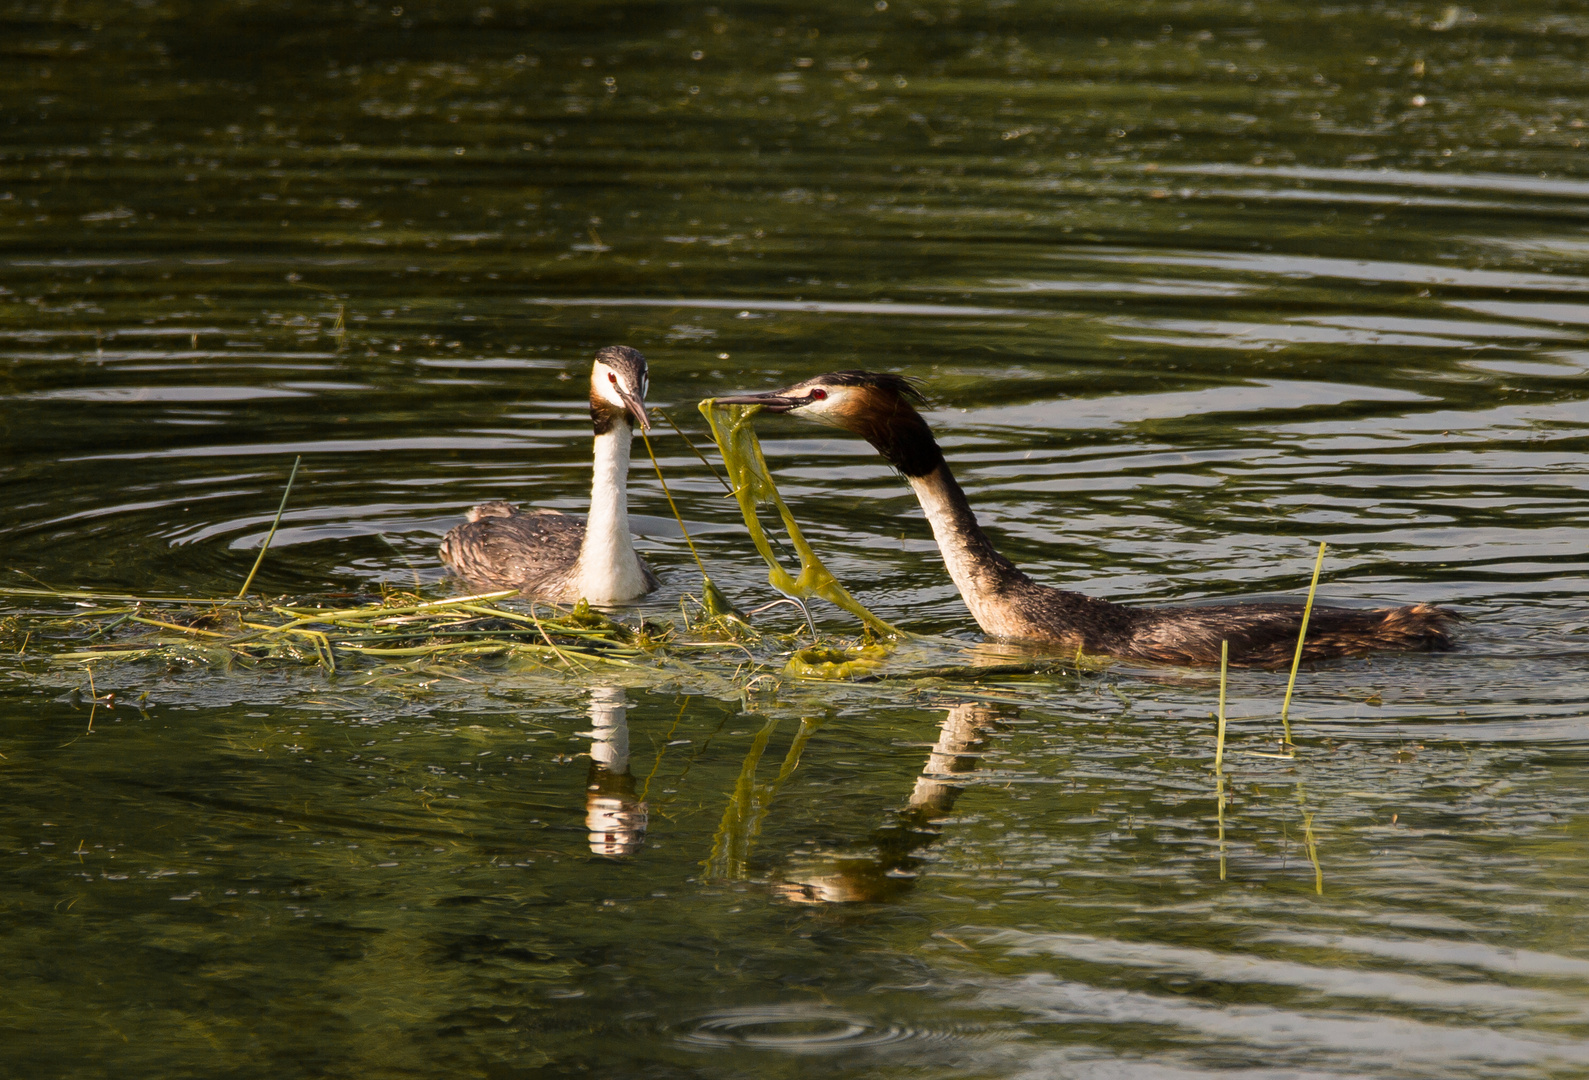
(987, 580)
(608, 568)
(983, 576)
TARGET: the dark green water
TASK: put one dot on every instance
(1192, 286)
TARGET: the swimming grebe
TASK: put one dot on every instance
(547, 554)
(880, 408)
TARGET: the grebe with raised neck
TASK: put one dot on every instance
(549, 555)
(881, 408)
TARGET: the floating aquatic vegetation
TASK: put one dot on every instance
(403, 634)
(398, 626)
(406, 633)
(829, 662)
(752, 485)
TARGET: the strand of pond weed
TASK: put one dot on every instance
(548, 638)
(691, 444)
(713, 599)
(79, 594)
(747, 472)
(249, 580)
(669, 496)
(1302, 636)
(44, 584)
(710, 467)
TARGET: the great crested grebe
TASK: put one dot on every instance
(880, 408)
(547, 554)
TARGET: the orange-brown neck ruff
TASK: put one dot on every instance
(890, 423)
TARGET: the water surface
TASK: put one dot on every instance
(1190, 287)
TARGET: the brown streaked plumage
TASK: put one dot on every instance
(1006, 602)
(549, 555)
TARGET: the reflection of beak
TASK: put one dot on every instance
(636, 408)
(773, 401)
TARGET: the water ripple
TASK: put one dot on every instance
(795, 1029)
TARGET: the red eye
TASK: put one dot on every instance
(819, 394)
(612, 378)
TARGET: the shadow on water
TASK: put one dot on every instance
(1189, 290)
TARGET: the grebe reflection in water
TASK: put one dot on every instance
(549, 555)
(890, 863)
(614, 815)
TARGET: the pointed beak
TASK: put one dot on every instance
(636, 407)
(773, 401)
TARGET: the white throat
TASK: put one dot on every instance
(608, 570)
(978, 571)
(942, 516)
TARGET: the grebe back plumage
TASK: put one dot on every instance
(549, 555)
(880, 408)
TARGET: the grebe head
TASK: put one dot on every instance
(618, 384)
(878, 406)
(846, 399)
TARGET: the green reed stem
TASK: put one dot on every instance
(178, 627)
(249, 580)
(1302, 636)
(1219, 738)
(661, 753)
